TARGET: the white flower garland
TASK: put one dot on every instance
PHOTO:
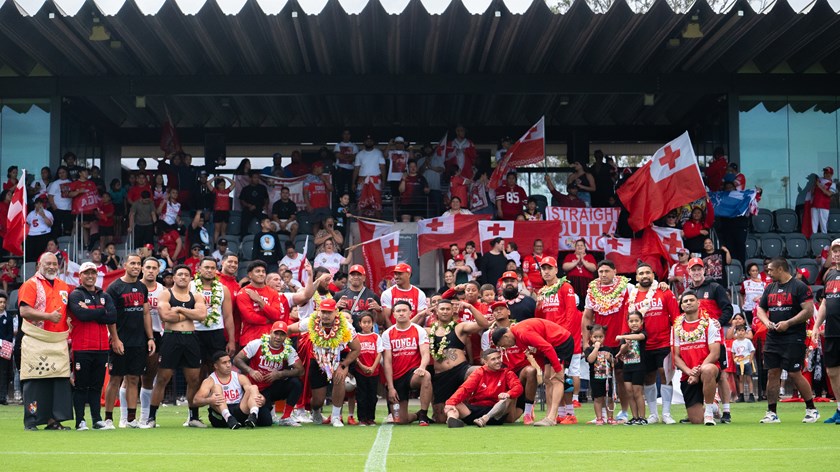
(216, 292)
(644, 305)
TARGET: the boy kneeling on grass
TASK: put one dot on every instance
(487, 397)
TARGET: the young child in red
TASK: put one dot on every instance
(366, 370)
(9, 274)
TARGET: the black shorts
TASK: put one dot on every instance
(598, 388)
(88, 217)
(693, 393)
(635, 376)
(217, 421)
(655, 359)
(317, 377)
(180, 349)
(132, 362)
(403, 385)
(789, 357)
(479, 411)
(722, 359)
(565, 352)
(444, 384)
(831, 352)
(221, 216)
(211, 342)
(106, 230)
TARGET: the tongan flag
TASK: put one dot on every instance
(440, 232)
(672, 241)
(626, 253)
(523, 233)
(732, 204)
(530, 149)
(671, 179)
(169, 141)
(16, 229)
(369, 230)
(381, 256)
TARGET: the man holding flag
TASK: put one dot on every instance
(529, 149)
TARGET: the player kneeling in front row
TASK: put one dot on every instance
(487, 397)
(232, 399)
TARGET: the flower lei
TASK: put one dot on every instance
(694, 335)
(214, 311)
(607, 302)
(550, 290)
(644, 305)
(327, 346)
(438, 351)
(278, 358)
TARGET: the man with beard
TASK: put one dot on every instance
(521, 306)
(659, 310)
(401, 291)
(487, 397)
(517, 360)
(448, 339)
(714, 303)
(218, 325)
(356, 297)
(132, 339)
(43, 307)
(696, 343)
(557, 302)
(151, 268)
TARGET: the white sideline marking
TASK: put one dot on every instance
(378, 455)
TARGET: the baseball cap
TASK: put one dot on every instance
(459, 257)
(695, 261)
(149, 247)
(279, 326)
(357, 268)
(402, 267)
(495, 305)
(196, 245)
(222, 242)
(548, 261)
(829, 169)
(87, 266)
(327, 305)
(399, 139)
(509, 275)
(682, 250)
(836, 242)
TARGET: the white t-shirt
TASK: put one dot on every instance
(752, 290)
(61, 203)
(368, 162)
(432, 177)
(345, 149)
(42, 190)
(330, 261)
(154, 295)
(742, 348)
(170, 212)
(294, 266)
(37, 224)
(398, 164)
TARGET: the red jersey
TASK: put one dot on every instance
(513, 199)
(531, 269)
(135, 192)
(192, 263)
(169, 240)
(512, 357)
(820, 199)
(405, 348)
(371, 345)
(257, 321)
(542, 335)
(56, 294)
(221, 199)
(659, 318)
(413, 295)
(233, 287)
(316, 189)
(692, 340)
(258, 362)
(86, 201)
(483, 387)
(459, 186)
(579, 270)
(680, 272)
(560, 307)
(612, 314)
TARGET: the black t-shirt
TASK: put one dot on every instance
(129, 298)
(361, 305)
(523, 309)
(832, 303)
(599, 369)
(492, 266)
(782, 302)
(284, 210)
(267, 248)
(634, 357)
(256, 195)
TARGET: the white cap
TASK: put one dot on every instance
(399, 139)
(87, 266)
(836, 242)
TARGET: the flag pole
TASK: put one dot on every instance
(24, 224)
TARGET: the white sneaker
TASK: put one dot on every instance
(109, 424)
(653, 418)
(666, 419)
(133, 424)
(317, 417)
(288, 422)
(337, 423)
(83, 426)
(150, 424)
(302, 416)
(389, 419)
(196, 424)
(621, 417)
(709, 420)
(122, 424)
(811, 416)
(770, 417)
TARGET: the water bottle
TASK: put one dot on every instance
(395, 411)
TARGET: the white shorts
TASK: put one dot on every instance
(573, 370)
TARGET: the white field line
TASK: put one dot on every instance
(378, 455)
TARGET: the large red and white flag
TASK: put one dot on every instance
(671, 179)
(443, 148)
(16, 229)
(672, 241)
(523, 233)
(381, 256)
(440, 232)
(626, 253)
(169, 141)
(530, 149)
(369, 230)
(103, 280)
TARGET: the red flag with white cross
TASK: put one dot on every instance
(672, 241)
(369, 230)
(523, 233)
(671, 179)
(440, 232)
(381, 256)
(16, 229)
(529, 149)
(626, 253)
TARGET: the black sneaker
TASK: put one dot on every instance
(632, 422)
(251, 421)
(726, 417)
(685, 421)
(232, 423)
(453, 422)
(641, 422)
(740, 398)
(751, 399)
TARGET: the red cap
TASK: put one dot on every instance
(327, 305)
(357, 268)
(829, 169)
(805, 272)
(317, 164)
(495, 305)
(548, 261)
(695, 261)
(149, 247)
(279, 326)
(509, 275)
(402, 267)
(459, 257)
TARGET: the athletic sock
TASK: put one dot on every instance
(667, 392)
(226, 414)
(771, 407)
(650, 398)
(709, 409)
(145, 401)
(603, 412)
(575, 398)
(123, 405)
(726, 407)
(109, 415)
(132, 414)
(256, 410)
(809, 404)
(336, 412)
(529, 408)
(838, 406)
(152, 412)
(194, 413)
(561, 410)
(287, 411)
(570, 409)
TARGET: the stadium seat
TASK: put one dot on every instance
(542, 203)
(246, 238)
(818, 242)
(772, 245)
(763, 221)
(12, 302)
(796, 245)
(243, 270)
(735, 273)
(752, 247)
(301, 238)
(812, 267)
(246, 249)
(232, 238)
(834, 220)
(284, 238)
(29, 270)
(233, 246)
(786, 220)
(233, 224)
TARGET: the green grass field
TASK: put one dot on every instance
(742, 445)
